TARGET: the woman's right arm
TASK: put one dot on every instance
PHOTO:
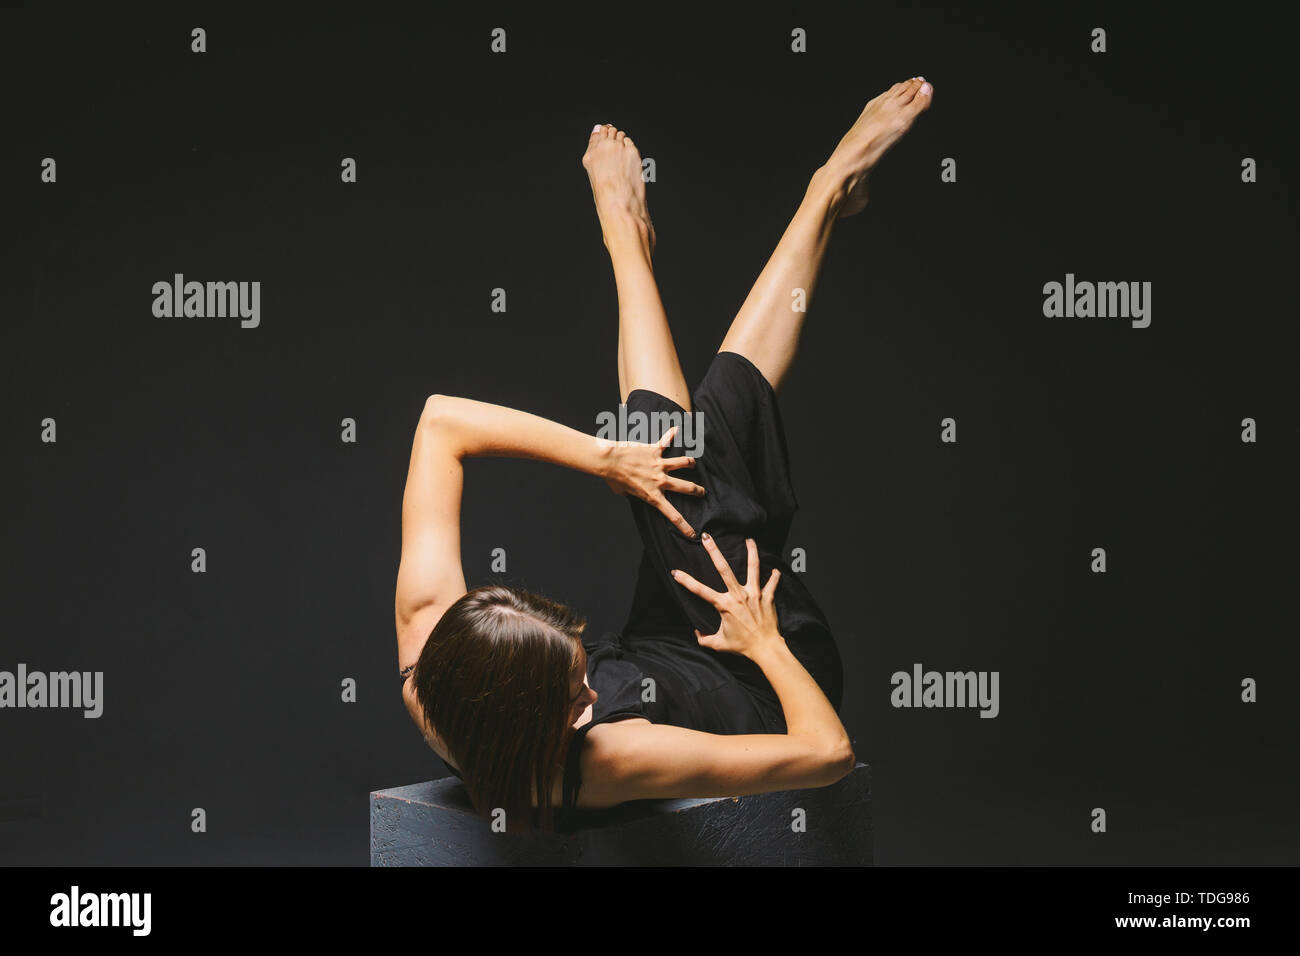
(430, 577)
(635, 760)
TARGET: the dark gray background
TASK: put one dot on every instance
(222, 690)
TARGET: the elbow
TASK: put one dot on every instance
(437, 409)
(838, 762)
(441, 416)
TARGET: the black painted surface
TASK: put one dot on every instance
(431, 824)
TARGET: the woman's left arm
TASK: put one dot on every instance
(452, 429)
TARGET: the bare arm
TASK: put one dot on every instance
(430, 577)
(634, 759)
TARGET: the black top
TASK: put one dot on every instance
(655, 668)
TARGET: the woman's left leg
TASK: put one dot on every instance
(647, 357)
(766, 330)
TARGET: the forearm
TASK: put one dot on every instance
(808, 714)
(430, 575)
(479, 429)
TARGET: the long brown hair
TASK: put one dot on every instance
(493, 680)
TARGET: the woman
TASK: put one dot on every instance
(726, 679)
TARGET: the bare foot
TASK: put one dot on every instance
(882, 122)
(613, 163)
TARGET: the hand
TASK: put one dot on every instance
(641, 470)
(748, 614)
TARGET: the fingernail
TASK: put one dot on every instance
(673, 572)
(707, 537)
(926, 89)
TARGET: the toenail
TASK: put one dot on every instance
(596, 127)
(926, 89)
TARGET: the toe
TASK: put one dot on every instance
(924, 94)
(909, 90)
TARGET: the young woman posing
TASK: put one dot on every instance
(725, 681)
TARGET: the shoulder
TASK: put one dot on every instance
(417, 715)
(413, 630)
(607, 759)
(637, 759)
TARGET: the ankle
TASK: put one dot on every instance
(828, 189)
(626, 234)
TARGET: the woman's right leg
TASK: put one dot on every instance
(767, 328)
(647, 357)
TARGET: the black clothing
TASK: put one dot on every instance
(655, 668)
